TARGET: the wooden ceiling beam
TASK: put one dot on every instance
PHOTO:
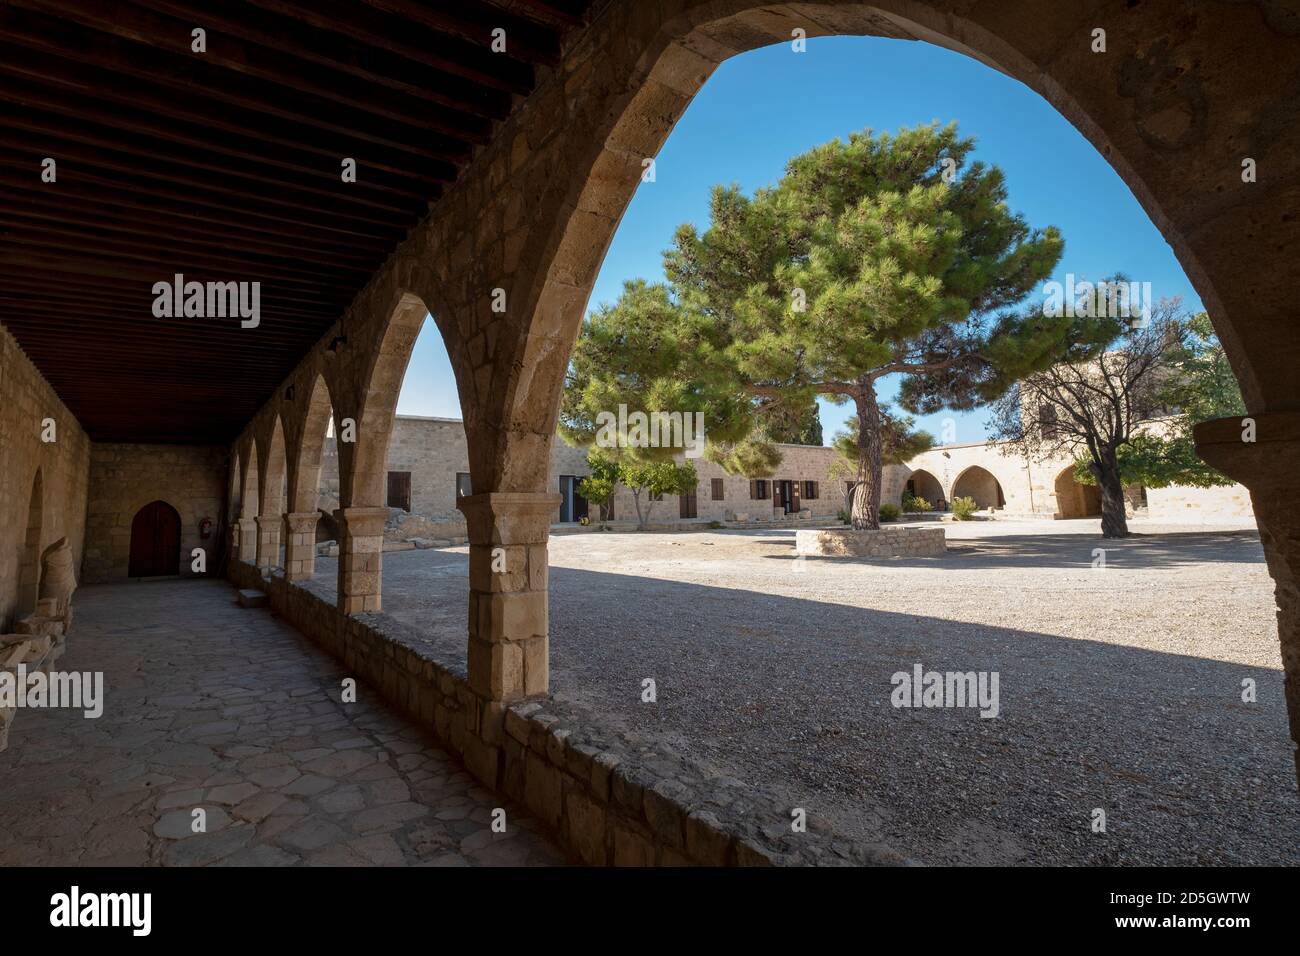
(117, 41)
(481, 92)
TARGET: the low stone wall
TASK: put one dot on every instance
(885, 543)
(605, 798)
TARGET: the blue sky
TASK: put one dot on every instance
(763, 107)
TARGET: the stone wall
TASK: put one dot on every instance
(885, 543)
(1179, 503)
(606, 799)
(125, 478)
(26, 401)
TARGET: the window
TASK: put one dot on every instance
(809, 490)
(716, 485)
(399, 490)
(759, 490)
(463, 488)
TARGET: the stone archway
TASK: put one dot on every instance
(981, 484)
(246, 542)
(531, 218)
(272, 457)
(922, 484)
(641, 65)
(29, 564)
(1075, 499)
(155, 549)
(303, 489)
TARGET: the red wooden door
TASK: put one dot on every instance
(155, 541)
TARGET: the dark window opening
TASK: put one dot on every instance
(399, 490)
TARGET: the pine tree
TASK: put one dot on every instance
(884, 255)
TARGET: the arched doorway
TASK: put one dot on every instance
(155, 541)
(979, 483)
(1074, 499)
(922, 484)
(29, 566)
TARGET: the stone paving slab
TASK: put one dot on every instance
(210, 705)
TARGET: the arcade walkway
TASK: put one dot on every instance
(210, 705)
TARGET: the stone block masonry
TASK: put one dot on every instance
(885, 543)
(42, 483)
(608, 801)
(125, 478)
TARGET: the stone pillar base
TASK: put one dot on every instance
(361, 547)
(508, 609)
(1262, 452)
(268, 540)
(300, 545)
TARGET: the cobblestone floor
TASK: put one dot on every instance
(1120, 686)
(214, 706)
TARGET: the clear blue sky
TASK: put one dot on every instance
(763, 107)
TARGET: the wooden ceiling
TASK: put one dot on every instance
(226, 166)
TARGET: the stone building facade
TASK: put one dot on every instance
(427, 458)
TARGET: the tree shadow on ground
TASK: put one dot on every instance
(795, 693)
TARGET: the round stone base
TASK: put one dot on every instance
(885, 543)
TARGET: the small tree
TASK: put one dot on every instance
(601, 485)
(1200, 386)
(655, 479)
(1091, 405)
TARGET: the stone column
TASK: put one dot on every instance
(361, 547)
(508, 644)
(300, 545)
(268, 540)
(247, 538)
(1267, 465)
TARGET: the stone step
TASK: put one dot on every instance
(248, 597)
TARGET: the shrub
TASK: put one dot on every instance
(963, 508)
(911, 503)
(889, 512)
(844, 517)
(716, 524)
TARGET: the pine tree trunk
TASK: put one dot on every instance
(866, 493)
(1114, 519)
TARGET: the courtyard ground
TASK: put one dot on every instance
(1120, 686)
(209, 705)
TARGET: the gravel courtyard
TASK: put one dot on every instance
(1120, 687)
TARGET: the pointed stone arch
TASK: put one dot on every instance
(1075, 499)
(923, 484)
(979, 483)
(305, 453)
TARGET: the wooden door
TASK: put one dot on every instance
(155, 541)
(687, 507)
